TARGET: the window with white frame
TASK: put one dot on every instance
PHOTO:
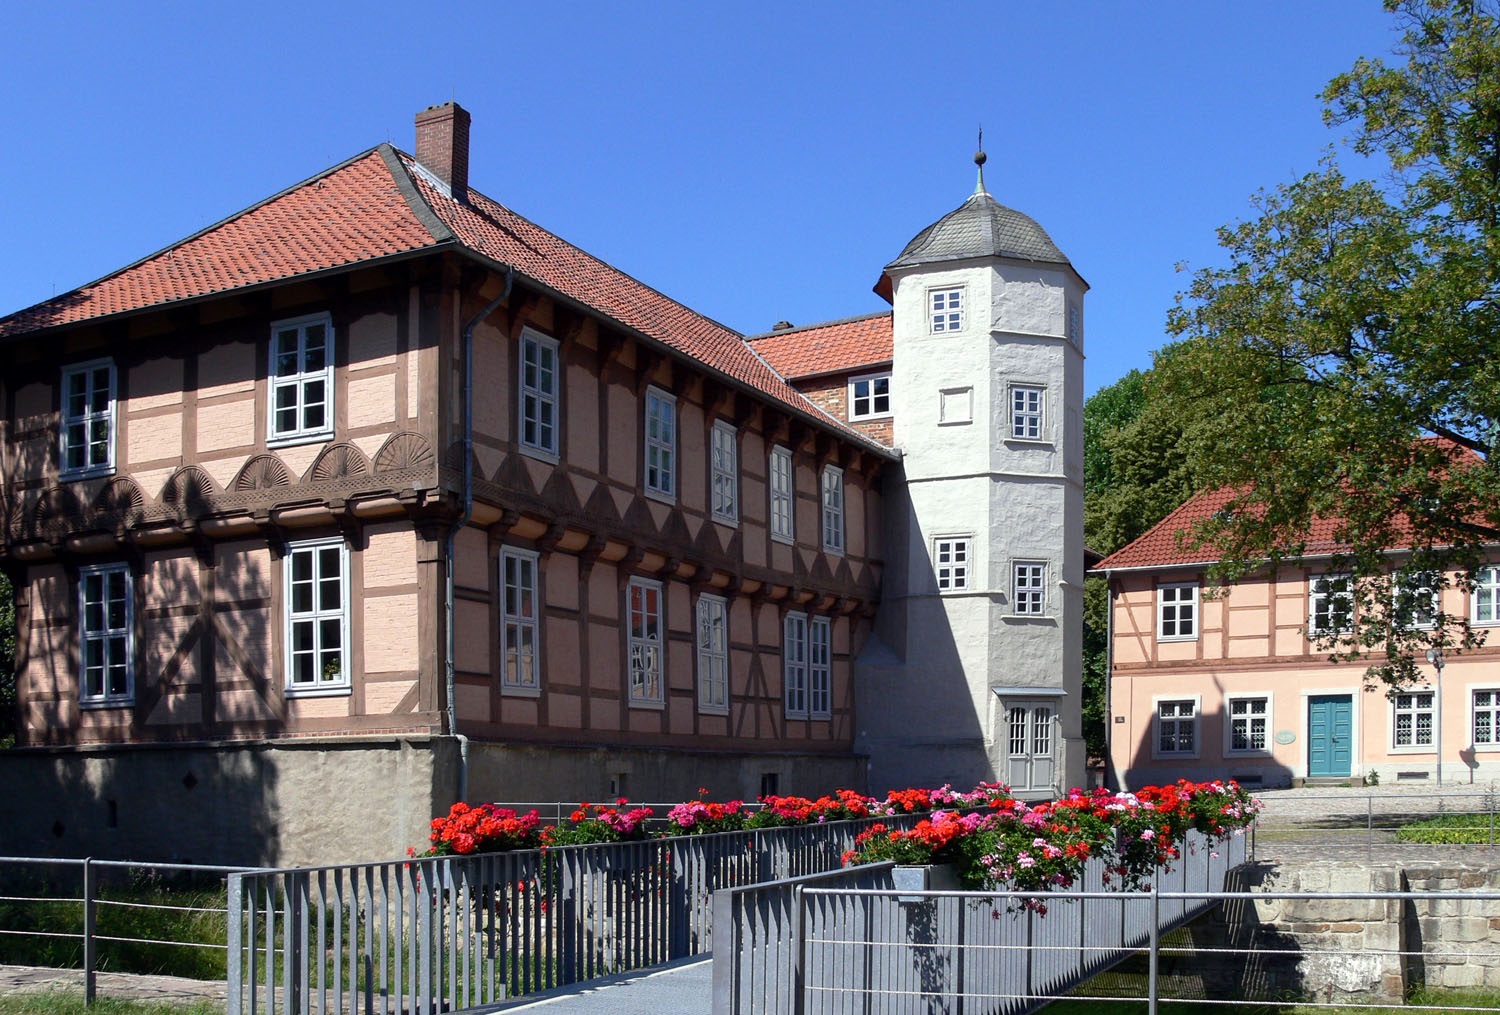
(643, 604)
(317, 617)
(1330, 604)
(520, 669)
(1025, 412)
(950, 562)
(301, 380)
(1486, 717)
(713, 655)
(724, 472)
(1411, 719)
(1485, 602)
(1247, 717)
(1177, 612)
(794, 664)
(538, 395)
(661, 443)
(819, 668)
(782, 499)
(833, 509)
(86, 436)
(870, 396)
(1416, 599)
(1028, 588)
(1177, 727)
(945, 309)
(105, 642)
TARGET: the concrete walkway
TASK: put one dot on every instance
(113, 986)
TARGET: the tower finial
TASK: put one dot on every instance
(979, 160)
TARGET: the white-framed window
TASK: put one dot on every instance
(833, 509)
(1026, 412)
(106, 614)
(1486, 717)
(1416, 596)
(301, 373)
(1248, 717)
(950, 562)
(783, 499)
(317, 617)
(713, 655)
(820, 668)
(1330, 604)
(1177, 612)
(1028, 592)
(945, 309)
(647, 641)
(870, 396)
(794, 664)
(1484, 605)
(1411, 719)
(86, 434)
(540, 387)
(661, 444)
(1177, 727)
(520, 612)
(724, 472)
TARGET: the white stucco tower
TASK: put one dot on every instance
(975, 670)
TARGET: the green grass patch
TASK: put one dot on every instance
(1469, 829)
(71, 1003)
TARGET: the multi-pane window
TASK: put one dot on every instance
(1330, 600)
(945, 310)
(1487, 717)
(538, 394)
(1486, 600)
(713, 655)
(1416, 599)
(1029, 588)
(1411, 716)
(819, 668)
(1247, 723)
(104, 634)
(724, 473)
(1026, 413)
(519, 641)
(781, 494)
(950, 562)
(794, 664)
(301, 379)
(643, 604)
(1041, 731)
(833, 509)
(1177, 612)
(661, 443)
(86, 437)
(870, 396)
(317, 612)
(1176, 727)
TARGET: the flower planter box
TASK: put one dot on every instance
(932, 877)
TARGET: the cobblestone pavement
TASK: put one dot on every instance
(114, 986)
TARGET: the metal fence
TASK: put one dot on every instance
(1362, 823)
(441, 933)
(803, 946)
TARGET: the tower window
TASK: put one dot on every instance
(945, 310)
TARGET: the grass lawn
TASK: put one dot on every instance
(1450, 828)
(70, 1003)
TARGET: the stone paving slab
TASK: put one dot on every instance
(121, 986)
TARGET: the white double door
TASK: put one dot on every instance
(1030, 736)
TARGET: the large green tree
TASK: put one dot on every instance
(1343, 364)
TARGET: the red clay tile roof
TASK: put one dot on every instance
(349, 214)
(831, 347)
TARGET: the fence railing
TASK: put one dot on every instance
(71, 902)
(805, 946)
(440, 933)
(1352, 818)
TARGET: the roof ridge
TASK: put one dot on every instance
(821, 324)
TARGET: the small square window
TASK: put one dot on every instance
(86, 436)
(950, 562)
(1177, 612)
(1029, 589)
(301, 376)
(945, 310)
(870, 396)
(1412, 720)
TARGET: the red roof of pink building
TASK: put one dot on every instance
(831, 347)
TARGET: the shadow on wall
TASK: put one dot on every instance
(1198, 746)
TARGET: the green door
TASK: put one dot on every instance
(1330, 735)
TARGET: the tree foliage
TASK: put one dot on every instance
(1342, 365)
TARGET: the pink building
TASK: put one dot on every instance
(1230, 684)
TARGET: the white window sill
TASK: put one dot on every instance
(796, 715)
(871, 418)
(520, 691)
(728, 521)
(99, 704)
(954, 422)
(655, 706)
(93, 472)
(332, 691)
(1034, 442)
(713, 709)
(658, 495)
(292, 440)
(1176, 756)
(1248, 754)
(776, 537)
(1169, 639)
(834, 551)
(540, 454)
(1419, 749)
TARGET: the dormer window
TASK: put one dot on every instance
(945, 310)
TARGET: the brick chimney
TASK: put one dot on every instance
(443, 145)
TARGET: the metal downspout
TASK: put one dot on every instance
(450, 681)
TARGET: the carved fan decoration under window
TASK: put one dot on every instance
(263, 472)
(189, 489)
(122, 500)
(339, 461)
(404, 451)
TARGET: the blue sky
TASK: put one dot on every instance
(757, 162)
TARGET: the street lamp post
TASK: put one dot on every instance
(1435, 657)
